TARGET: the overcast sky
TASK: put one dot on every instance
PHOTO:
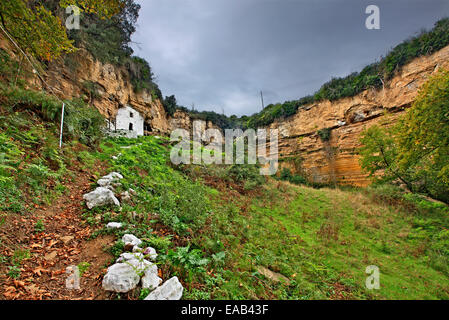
(219, 54)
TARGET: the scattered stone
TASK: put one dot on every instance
(132, 192)
(274, 276)
(104, 182)
(109, 179)
(131, 242)
(100, 197)
(67, 239)
(151, 253)
(114, 176)
(141, 266)
(130, 256)
(114, 225)
(121, 277)
(171, 290)
(151, 280)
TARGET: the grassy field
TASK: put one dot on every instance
(216, 227)
(214, 233)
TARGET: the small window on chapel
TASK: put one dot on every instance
(131, 115)
(130, 127)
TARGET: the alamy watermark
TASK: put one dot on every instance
(73, 20)
(191, 149)
(72, 281)
(373, 280)
(373, 20)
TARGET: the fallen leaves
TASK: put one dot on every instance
(43, 275)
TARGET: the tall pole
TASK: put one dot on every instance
(261, 97)
(62, 125)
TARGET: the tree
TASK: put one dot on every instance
(170, 104)
(39, 31)
(416, 149)
(423, 137)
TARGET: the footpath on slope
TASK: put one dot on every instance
(64, 242)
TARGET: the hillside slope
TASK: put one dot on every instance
(222, 230)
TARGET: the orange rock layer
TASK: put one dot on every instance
(336, 160)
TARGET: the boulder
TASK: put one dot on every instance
(109, 179)
(151, 280)
(130, 256)
(148, 253)
(142, 266)
(100, 197)
(171, 290)
(104, 182)
(131, 240)
(113, 176)
(121, 277)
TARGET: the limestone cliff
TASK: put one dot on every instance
(112, 86)
(336, 160)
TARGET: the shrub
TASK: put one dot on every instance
(415, 150)
(325, 134)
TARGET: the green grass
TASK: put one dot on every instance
(322, 240)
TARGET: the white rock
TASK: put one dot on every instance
(100, 197)
(130, 256)
(132, 191)
(109, 179)
(120, 277)
(114, 225)
(150, 253)
(171, 290)
(142, 266)
(131, 240)
(113, 176)
(151, 280)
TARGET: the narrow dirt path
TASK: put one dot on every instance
(46, 254)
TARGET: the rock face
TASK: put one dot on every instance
(182, 120)
(112, 85)
(302, 150)
(100, 197)
(171, 290)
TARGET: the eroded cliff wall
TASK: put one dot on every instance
(336, 160)
(112, 89)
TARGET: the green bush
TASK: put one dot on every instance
(415, 151)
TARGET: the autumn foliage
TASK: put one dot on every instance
(39, 31)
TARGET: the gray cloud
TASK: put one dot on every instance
(219, 54)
